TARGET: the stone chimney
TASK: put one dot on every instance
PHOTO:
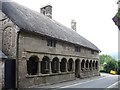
(73, 24)
(47, 11)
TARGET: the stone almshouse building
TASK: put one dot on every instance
(46, 51)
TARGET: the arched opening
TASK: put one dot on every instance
(63, 65)
(82, 64)
(55, 65)
(70, 64)
(87, 64)
(77, 68)
(45, 65)
(90, 64)
(96, 64)
(93, 64)
(32, 65)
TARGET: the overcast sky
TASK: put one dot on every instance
(93, 17)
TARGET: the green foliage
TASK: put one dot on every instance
(119, 67)
(118, 13)
(111, 65)
(105, 58)
(108, 63)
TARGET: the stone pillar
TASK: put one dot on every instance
(39, 67)
(66, 66)
(88, 66)
(73, 66)
(59, 68)
(50, 69)
(84, 67)
(79, 69)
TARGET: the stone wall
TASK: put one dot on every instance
(1, 29)
(30, 44)
(9, 36)
(1, 73)
(40, 45)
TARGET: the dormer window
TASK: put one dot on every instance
(51, 43)
(77, 49)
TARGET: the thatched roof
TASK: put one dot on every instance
(31, 21)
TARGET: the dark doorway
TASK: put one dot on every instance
(77, 68)
(96, 64)
(55, 65)
(87, 64)
(70, 65)
(90, 65)
(82, 64)
(93, 65)
(10, 74)
(45, 65)
(32, 65)
(63, 65)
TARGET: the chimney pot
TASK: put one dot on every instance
(47, 11)
(73, 24)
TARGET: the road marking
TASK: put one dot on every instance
(56, 87)
(77, 83)
(111, 86)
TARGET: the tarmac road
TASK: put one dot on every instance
(97, 83)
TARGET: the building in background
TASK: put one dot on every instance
(116, 18)
(45, 51)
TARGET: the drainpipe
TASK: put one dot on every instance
(17, 60)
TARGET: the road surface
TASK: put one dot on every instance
(103, 81)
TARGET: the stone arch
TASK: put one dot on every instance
(70, 64)
(82, 64)
(96, 64)
(9, 24)
(90, 64)
(32, 65)
(77, 68)
(93, 64)
(45, 65)
(63, 65)
(55, 65)
(87, 64)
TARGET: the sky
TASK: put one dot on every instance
(93, 17)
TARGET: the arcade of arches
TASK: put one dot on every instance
(56, 65)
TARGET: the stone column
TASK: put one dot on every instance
(50, 69)
(79, 69)
(59, 68)
(39, 67)
(84, 67)
(88, 66)
(73, 66)
(66, 66)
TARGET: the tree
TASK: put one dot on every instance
(111, 65)
(108, 63)
(119, 67)
(105, 58)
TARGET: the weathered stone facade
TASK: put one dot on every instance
(62, 50)
(1, 30)
(1, 68)
(9, 36)
(54, 60)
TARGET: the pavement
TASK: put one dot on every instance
(114, 86)
(78, 82)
